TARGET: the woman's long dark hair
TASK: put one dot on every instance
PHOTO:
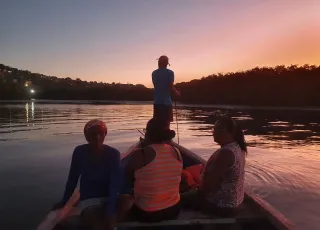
(156, 131)
(230, 125)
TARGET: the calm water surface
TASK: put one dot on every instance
(37, 140)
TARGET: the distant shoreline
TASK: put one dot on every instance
(180, 105)
(281, 87)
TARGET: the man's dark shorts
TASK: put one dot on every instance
(163, 112)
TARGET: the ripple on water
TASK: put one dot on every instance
(282, 170)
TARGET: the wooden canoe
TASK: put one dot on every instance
(254, 213)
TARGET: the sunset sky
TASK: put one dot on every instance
(120, 40)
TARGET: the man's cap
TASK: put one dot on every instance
(163, 59)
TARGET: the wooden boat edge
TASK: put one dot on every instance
(273, 215)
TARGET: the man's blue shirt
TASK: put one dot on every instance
(162, 78)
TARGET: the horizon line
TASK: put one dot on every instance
(217, 73)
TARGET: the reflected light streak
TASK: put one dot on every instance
(27, 113)
(32, 110)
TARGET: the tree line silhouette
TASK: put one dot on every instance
(266, 86)
(279, 86)
(17, 84)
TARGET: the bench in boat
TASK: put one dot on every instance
(192, 217)
(187, 218)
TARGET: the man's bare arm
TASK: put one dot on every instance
(175, 91)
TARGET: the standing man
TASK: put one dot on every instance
(163, 79)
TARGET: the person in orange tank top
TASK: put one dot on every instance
(156, 169)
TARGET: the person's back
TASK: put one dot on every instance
(98, 167)
(162, 78)
(156, 169)
(157, 184)
(95, 173)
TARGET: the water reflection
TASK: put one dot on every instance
(27, 114)
(32, 110)
(285, 178)
(276, 129)
(263, 128)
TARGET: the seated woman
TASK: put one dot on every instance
(98, 167)
(156, 170)
(221, 190)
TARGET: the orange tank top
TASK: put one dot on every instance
(157, 184)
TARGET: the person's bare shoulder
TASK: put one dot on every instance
(142, 157)
(225, 157)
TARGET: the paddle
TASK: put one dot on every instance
(141, 132)
(175, 106)
(56, 216)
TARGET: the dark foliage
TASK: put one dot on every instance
(279, 86)
(12, 85)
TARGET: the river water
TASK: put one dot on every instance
(37, 140)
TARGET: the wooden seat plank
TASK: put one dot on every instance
(191, 217)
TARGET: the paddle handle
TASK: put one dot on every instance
(175, 105)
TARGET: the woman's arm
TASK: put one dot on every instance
(74, 174)
(115, 179)
(131, 166)
(217, 170)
